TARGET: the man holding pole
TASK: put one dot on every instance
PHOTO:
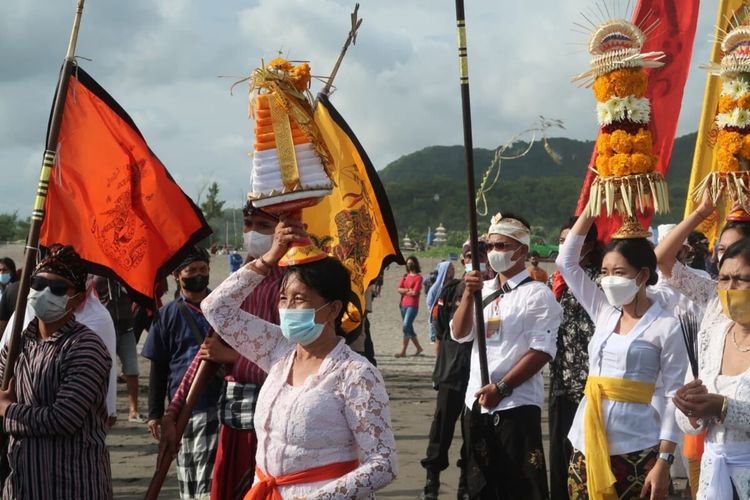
(502, 419)
(55, 409)
(172, 343)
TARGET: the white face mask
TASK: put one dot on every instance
(619, 290)
(500, 261)
(257, 244)
(719, 256)
(47, 306)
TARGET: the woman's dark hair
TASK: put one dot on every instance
(329, 278)
(740, 248)
(742, 227)
(595, 257)
(417, 267)
(11, 265)
(638, 252)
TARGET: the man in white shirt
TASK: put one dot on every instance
(503, 419)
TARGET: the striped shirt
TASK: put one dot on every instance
(264, 303)
(57, 427)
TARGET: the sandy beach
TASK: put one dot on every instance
(133, 451)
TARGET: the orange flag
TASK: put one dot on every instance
(110, 196)
(354, 223)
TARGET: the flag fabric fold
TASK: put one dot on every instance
(674, 35)
(111, 198)
(354, 223)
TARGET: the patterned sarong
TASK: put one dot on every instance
(195, 459)
(630, 471)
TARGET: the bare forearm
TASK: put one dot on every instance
(526, 367)
(667, 446)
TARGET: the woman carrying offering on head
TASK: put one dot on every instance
(717, 403)
(323, 415)
(622, 445)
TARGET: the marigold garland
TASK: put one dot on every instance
(621, 83)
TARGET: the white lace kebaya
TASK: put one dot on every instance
(338, 415)
(735, 430)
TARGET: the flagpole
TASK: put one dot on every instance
(37, 215)
(463, 66)
(351, 39)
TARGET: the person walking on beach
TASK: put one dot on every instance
(503, 420)
(171, 345)
(410, 287)
(450, 378)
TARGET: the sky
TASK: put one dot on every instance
(170, 64)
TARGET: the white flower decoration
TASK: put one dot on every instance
(603, 114)
(723, 120)
(735, 88)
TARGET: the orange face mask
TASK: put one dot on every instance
(736, 305)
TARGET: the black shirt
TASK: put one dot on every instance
(453, 359)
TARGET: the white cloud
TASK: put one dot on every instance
(398, 87)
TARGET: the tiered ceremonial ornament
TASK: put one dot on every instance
(626, 179)
(291, 163)
(732, 149)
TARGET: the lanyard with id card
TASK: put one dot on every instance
(494, 323)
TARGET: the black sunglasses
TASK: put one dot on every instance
(499, 245)
(57, 287)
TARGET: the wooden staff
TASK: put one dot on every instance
(351, 39)
(37, 215)
(203, 375)
(463, 67)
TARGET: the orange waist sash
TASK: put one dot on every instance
(266, 487)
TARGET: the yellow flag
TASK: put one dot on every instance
(704, 161)
(354, 223)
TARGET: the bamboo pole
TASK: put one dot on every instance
(37, 215)
(463, 66)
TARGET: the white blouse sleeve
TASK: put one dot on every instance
(674, 364)
(738, 415)
(368, 412)
(697, 288)
(257, 340)
(581, 286)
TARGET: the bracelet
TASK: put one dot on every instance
(724, 408)
(266, 264)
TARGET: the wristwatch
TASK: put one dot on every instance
(667, 457)
(504, 389)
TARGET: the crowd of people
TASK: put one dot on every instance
(288, 406)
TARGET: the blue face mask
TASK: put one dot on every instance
(4, 278)
(469, 267)
(298, 325)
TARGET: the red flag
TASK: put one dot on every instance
(110, 196)
(674, 36)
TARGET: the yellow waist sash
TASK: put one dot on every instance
(600, 479)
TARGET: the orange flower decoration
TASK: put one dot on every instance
(621, 142)
(602, 145)
(602, 165)
(619, 165)
(726, 104)
(743, 102)
(642, 142)
(621, 83)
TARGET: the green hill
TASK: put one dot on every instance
(427, 187)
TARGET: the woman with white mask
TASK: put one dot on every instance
(623, 446)
(323, 415)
